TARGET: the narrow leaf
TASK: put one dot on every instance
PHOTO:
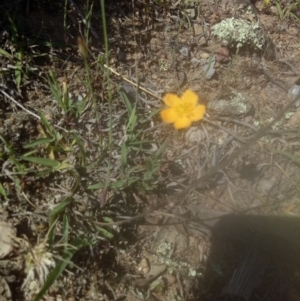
(37, 142)
(105, 233)
(132, 120)
(127, 102)
(5, 53)
(99, 185)
(123, 155)
(60, 207)
(81, 149)
(41, 161)
(2, 191)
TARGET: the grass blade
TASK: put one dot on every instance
(127, 102)
(60, 207)
(123, 155)
(41, 161)
(132, 121)
(99, 185)
(5, 53)
(38, 142)
(2, 192)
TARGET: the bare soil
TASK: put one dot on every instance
(233, 237)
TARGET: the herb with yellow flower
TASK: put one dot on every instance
(182, 111)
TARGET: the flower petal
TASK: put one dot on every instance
(182, 123)
(171, 100)
(168, 115)
(190, 98)
(198, 113)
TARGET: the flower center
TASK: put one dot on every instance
(184, 109)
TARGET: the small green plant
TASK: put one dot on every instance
(17, 52)
(285, 12)
(12, 167)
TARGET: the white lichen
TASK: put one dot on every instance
(238, 102)
(164, 253)
(288, 115)
(238, 33)
(164, 249)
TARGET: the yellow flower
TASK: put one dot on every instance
(182, 111)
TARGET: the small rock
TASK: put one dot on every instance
(194, 135)
(294, 92)
(265, 186)
(7, 235)
(198, 29)
(144, 266)
(222, 55)
(184, 50)
(274, 10)
(294, 121)
(191, 12)
(196, 62)
(204, 55)
(248, 119)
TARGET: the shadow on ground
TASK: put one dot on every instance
(253, 258)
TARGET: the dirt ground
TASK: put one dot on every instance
(234, 236)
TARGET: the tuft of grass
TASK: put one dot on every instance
(285, 12)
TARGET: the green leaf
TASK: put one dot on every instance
(123, 183)
(5, 53)
(56, 91)
(99, 185)
(118, 184)
(161, 149)
(61, 206)
(46, 123)
(153, 113)
(63, 165)
(41, 161)
(105, 233)
(127, 102)
(81, 149)
(54, 213)
(7, 145)
(37, 142)
(43, 173)
(279, 10)
(123, 155)
(2, 191)
(66, 227)
(132, 121)
(107, 219)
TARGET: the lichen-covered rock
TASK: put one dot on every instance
(239, 33)
(232, 104)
